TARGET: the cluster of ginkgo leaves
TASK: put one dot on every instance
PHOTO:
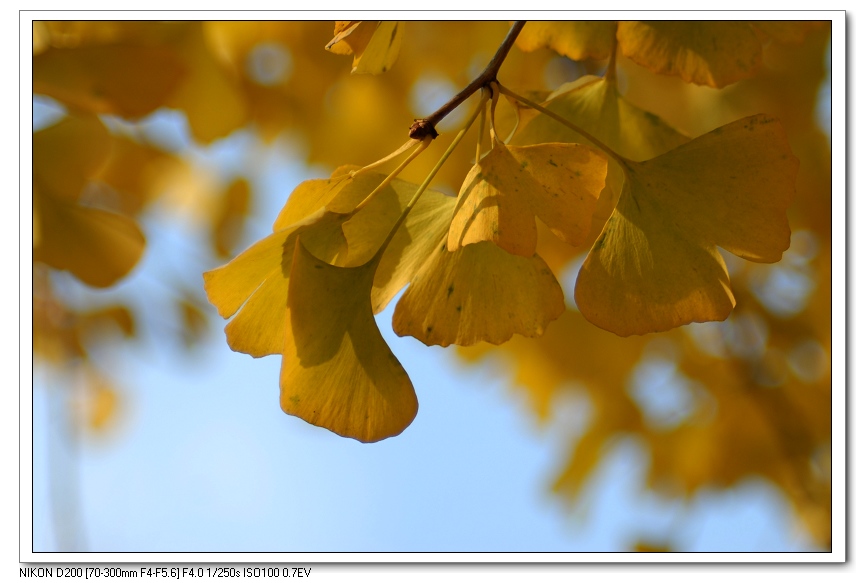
(343, 247)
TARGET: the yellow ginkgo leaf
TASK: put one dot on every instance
(787, 31)
(511, 185)
(134, 170)
(232, 210)
(577, 40)
(478, 293)
(655, 265)
(337, 371)
(208, 94)
(375, 45)
(415, 240)
(341, 193)
(595, 105)
(713, 53)
(257, 279)
(67, 154)
(97, 246)
(96, 406)
(126, 80)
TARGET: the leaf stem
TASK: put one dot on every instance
(611, 74)
(389, 178)
(387, 158)
(423, 186)
(623, 162)
(426, 126)
(481, 133)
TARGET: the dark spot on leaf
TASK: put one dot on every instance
(554, 164)
(652, 118)
(599, 244)
(428, 329)
(459, 308)
(392, 37)
(523, 164)
(318, 266)
(450, 289)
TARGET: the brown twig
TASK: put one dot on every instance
(422, 128)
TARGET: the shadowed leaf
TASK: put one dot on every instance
(337, 371)
(706, 53)
(130, 81)
(655, 265)
(578, 40)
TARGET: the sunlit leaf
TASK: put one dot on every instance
(337, 371)
(577, 40)
(713, 53)
(478, 293)
(511, 185)
(655, 265)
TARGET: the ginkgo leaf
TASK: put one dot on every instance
(655, 265)
(341, 193)
(208, 94)
(375, 45)
(135, 170)
(595, 105)
(337, 371)
(577, 40)
(502, 194)
(227, 225)
(713, 53)
(257, 280)
(130, 81)
(97, 246)
(478, 293)
(67, 154)
(787, 31)
(416, 239)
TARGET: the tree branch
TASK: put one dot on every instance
(422, 128)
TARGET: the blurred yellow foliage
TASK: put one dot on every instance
(754, 392)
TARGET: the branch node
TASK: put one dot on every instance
(421, 128)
